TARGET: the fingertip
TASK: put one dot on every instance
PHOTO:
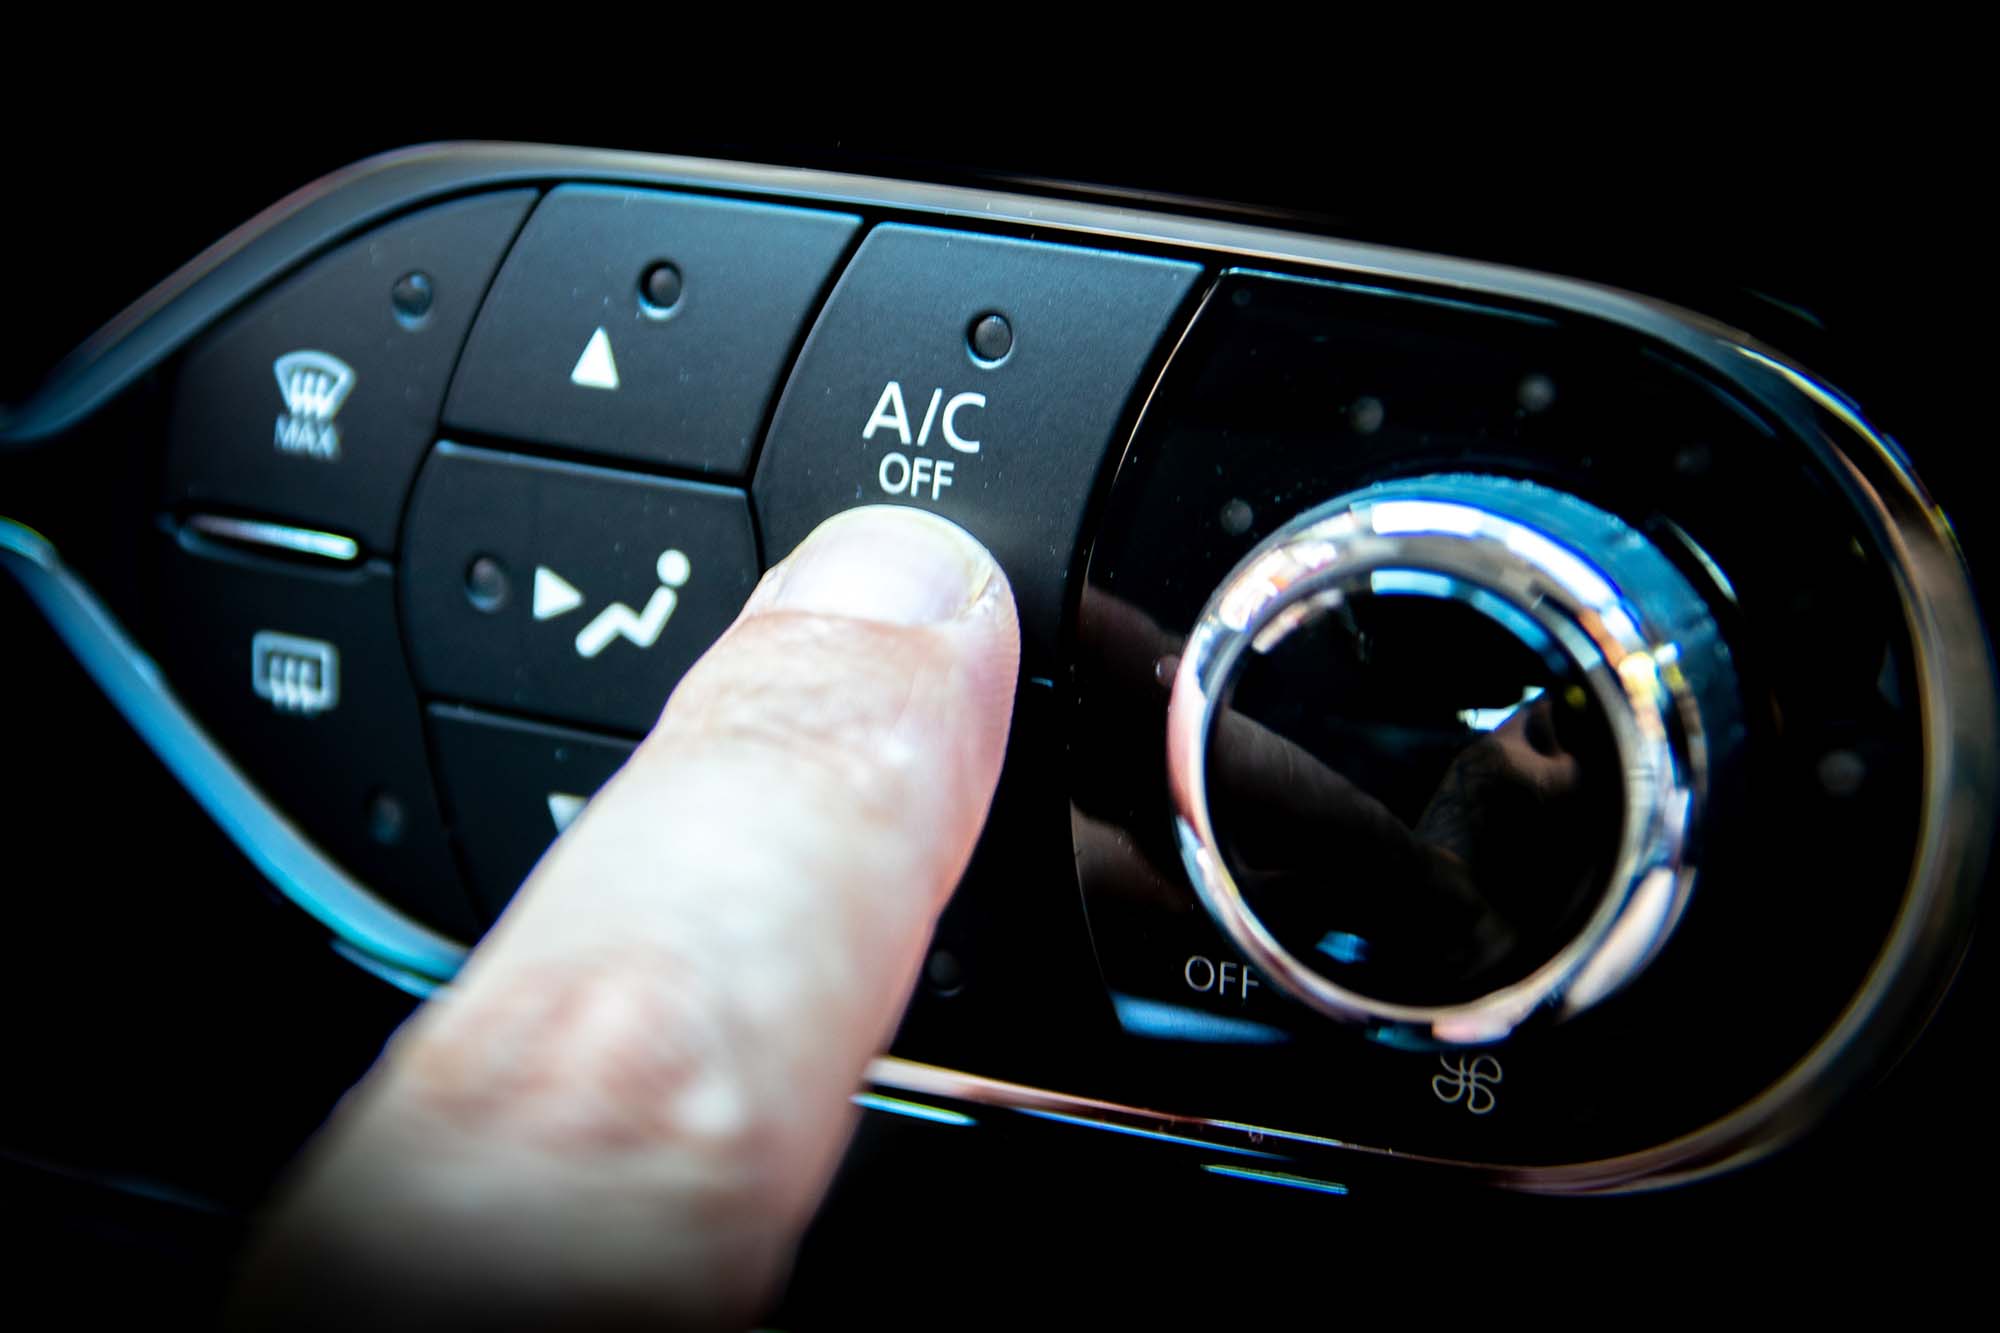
(887, 563)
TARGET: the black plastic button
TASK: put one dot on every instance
(573, 347)
(618, 582)
(511, 786)
(316, 404)
(893, 401)
(299, 675)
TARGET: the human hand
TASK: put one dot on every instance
(627, 1107)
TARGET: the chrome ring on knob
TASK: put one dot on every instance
(1635, 629)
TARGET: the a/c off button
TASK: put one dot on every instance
(976, 376)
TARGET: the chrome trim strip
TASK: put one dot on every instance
(891, 1071)
(1140, 1132)
(132, 682)
(936, 1115)
(1275, 1178)
(1954, 666)
(277, 536)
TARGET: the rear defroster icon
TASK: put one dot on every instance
(297, 675)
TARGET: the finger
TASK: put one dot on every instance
(638, 1089)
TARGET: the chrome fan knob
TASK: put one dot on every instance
(1439, 753)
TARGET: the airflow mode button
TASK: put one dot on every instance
(567, 591)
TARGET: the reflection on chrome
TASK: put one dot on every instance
(936, 1115)
(1275, 1178)
(1621, 733)
(1135, 1131)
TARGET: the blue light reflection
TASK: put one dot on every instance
(1275, 1178)
(937, 1115)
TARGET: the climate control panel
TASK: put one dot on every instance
(1450, 695)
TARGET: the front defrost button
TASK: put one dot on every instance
(315, 404)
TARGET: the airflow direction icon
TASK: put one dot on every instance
(641, 628)
(554, 594)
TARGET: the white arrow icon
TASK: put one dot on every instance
(596, 369)
(564, 807)
(554, 594)
(619, 621)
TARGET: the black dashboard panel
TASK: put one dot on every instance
(446, 602)
(1286, 393)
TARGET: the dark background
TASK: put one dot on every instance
(1843, 232)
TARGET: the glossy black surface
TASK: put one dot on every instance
(1415, 802)
(1290, 393)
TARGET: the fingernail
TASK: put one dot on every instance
(888, 563)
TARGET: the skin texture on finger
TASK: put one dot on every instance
(628, 1106)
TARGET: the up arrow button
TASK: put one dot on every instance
(685, 384)
(596, 369)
